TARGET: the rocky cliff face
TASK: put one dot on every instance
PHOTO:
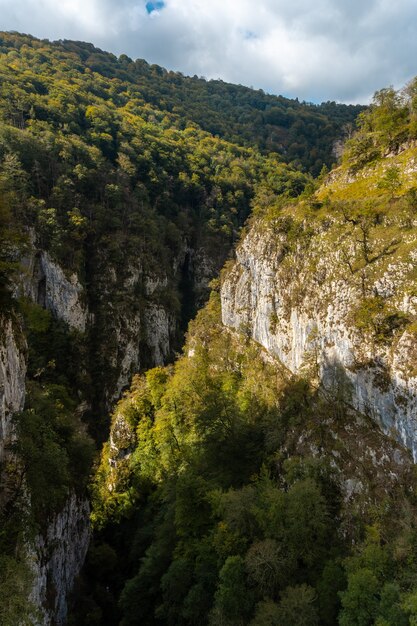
(135, 315)
(12, 380)
(58, 556)
(45, 282)
(141, 327)
(134, 320)
(139, 312)
(299, 304)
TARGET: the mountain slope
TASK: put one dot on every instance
(265, 477)
(114, 217)
(303, 134)
(249, 482)
(231, 492)
(339, 288)
(143, 212)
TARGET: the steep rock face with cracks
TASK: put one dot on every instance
(302, 305)
(56, 554)
(12, 380)
(328, 283)
(133, 337)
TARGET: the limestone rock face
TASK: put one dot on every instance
(135, 318)
(159, 327)
(57, 557)
(298, 305)
(133, 323)
(46, 283)
(12, 380)
(135, 328)
(12, 397)
(140, 312)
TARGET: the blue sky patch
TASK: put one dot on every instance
(156, 5)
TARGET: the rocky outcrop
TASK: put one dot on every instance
(159, 329)
(298, 305)
(57, 556)
(46, 283)
(134, 326)
(133, 323)
(12, 380)
(140, 313)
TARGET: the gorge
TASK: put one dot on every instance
(207, 349)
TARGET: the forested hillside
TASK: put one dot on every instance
(262, 474)
(233, 493)
(252, 482)
(115, 215)
(117, 190)
(302, 133)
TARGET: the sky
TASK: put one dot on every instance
(316, 50)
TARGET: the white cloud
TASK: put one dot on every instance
(329, 49)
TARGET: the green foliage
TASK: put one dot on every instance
(55, 452)
(391, 181)
(127, 174)
(220, 496)
(52, 444)
(267, 614)
(360, 601)
(12, 243)
(389, 122)
(239, 471)
(86, 150)
(15, 587)
(372, 315)
(303, 132)
(231, 520)
(410, 607)
(232, 599)
(297, 606)
(372, 596)
(50, 458)
(333, 580)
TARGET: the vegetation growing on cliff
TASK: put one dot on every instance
(355, 229)
(388, 124)
(52, 442)
(243, 495)
(224, 487)
(121, 190)
(229, 493)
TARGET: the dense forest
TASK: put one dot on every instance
(110, 187)
(225, 495)
(103, 179)
(224, 503)
(302, 133)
